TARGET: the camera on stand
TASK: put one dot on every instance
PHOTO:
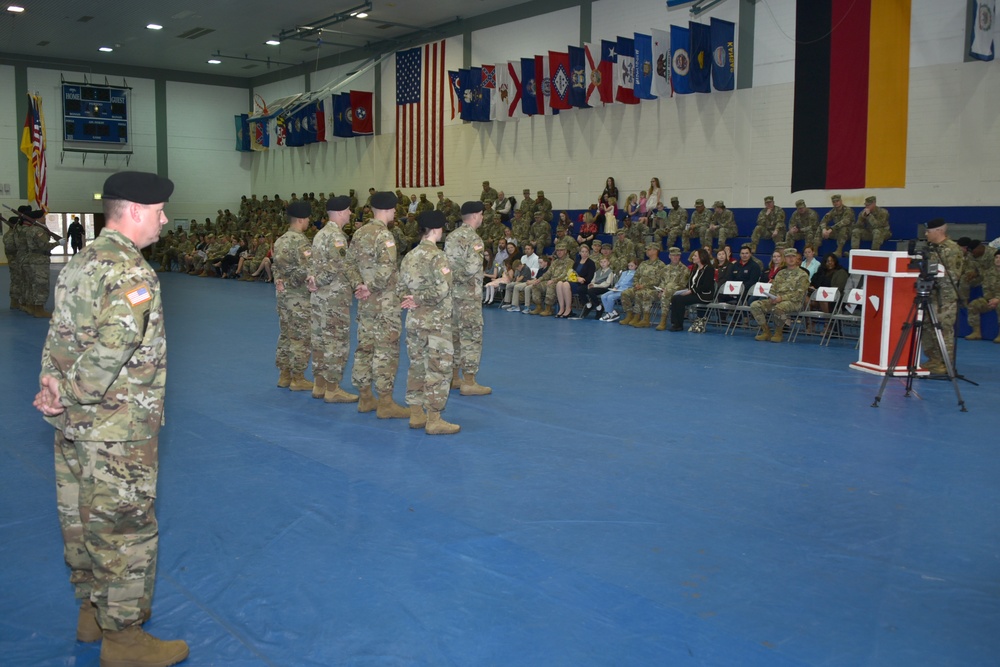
(920, 260)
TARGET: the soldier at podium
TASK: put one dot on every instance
(947, 253)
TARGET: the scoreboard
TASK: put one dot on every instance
(95, 114)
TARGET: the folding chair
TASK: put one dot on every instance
(830, 295)
(741, 312)
(847, 314)
(731, 288)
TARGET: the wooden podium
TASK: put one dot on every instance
(889, 294)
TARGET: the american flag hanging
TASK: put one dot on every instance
(33, 147)
(420, 85)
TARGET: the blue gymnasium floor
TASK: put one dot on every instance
(625, 497)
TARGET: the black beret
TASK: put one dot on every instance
(299, 209)
(340, 203)
(138, 186)
(24, 209)
(470, 207)
(964, 242)
(36, 214)
(936, 222)
(431, 220)
(385, 201)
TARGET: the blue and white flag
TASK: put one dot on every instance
(625, 72)
(983, 29)
(644, 67)
(578, 77)
(680, 60)
(723, 54)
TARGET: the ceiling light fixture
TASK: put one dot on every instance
(14, 9)
(362, 15)
(106, 49)
(154, 26)
(213, 61)
(272, 42)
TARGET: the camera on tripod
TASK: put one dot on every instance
(920, 260)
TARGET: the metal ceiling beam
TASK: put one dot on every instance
(314, 27)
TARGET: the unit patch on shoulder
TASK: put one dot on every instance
(138, 295)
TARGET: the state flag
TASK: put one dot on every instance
(543, 83)
(625, 72)
(362, 110)
(578, 77)
(455, 89)
(600, 79)
(723, 54)
(489, 89)
(529, 88)
(661, 63)
(680, 60)
(560, 79)
(644, 72)
(342, 114)
(509, 91)
(701, 59)
(983, 26)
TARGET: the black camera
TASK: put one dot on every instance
(919, 253)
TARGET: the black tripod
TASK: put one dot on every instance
(912, 330)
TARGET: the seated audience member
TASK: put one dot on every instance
(603, 279)
(559, 272)
(675, 278)
(788, 293)
(700, 289)
(583, 273)
(506, 276)
(746, 270)
(624, 282)
(638, 300)
(533, 287)
(490, 270)
(522, 274)
(777, 264)
(720, 264)
(530, 259)
(809, 261)
(830, 274)
(588, 230)
(564, 221)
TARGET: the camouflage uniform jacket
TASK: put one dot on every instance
(791, 285)
(426, 275)
(541, 235)
(726, 222)
(677, 218)
(545, 206)
(637, 232)
(772, 220)
(675, 277)
(559, 269)
(489, 195)
(292, 254)
(877, 219)
(807, 222)
(948, 254)
(464, 250)
(838, 220)
(650, 274)
(373, 251)
(991, 281)
(331, 268)
(39, 245)
(702, 219)
(527, 208)
(106, 344)
(423, 206)
(522, 231)
(9, 243)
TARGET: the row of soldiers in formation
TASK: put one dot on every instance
(316, 281)
(28, 246)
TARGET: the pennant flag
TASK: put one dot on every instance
(701, 59)
(509, 91)
(420, 84)
(489, 89)
(343, 124)
(578, 77)
(661, 63)
(529, 92)
(723, 54)
(600, 77)
(242, 132)
(625, 72)
(644, 67)
(866, 59)
(680, 61)
(455, 91)
(33, 147)
(981, 47)
(561, 80)
(362, 112)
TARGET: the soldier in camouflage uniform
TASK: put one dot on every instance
(673, 228)
(424, 205)
(944, 297)
(977, 261)
(521, 228)
(572, 247)
(332, 281)
(425, 290)
(558, 272)
(636, 232)
(723, 225)
(675, 277)
(637, 300)
(291, 266)
(102, 388)
(544, 205)
(787, 296)
(541, 233)
(376, 358)
(803, 226)
(623, 252)
(770, 224)
(489, 195)
(38, 247)
(701, 218)
(464, 250)
(837, 223)
(10, 248)
(988, 301)
(527, 207)
(872, 225)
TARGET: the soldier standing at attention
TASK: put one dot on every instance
(291, 269)
(837, 223)
(770, 224)
(947, 254)
(102, 388)
(788, 293)
(464, 249)
(332, 281)
(376, 359)
(425, 289)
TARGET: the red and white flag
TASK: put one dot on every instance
(420, 84)
(508, 92)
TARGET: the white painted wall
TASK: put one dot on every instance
(10, 140)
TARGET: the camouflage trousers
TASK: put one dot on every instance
(467, 332)
(976, 308)
(548, 293)
(876, 236)
(106, 492)
(807, 235)
(428, 380)
(331, 333)
(15, 281)
(638, 301)
(35, 289)
(294, 330)
(947, 315)
(376, 358)
(762, 232)
(779, 311)
(671, 234)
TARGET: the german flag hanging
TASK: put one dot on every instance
(852, 73)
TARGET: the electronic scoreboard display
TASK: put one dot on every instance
(95, 114)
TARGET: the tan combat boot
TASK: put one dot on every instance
(662, 326)
(39, 311)
(456, 381)
(284, 378)
(319, 386)
(626, 320)
(366, 400)
(470, 388)
(300, 383)
(765, 333)
(547, 312)
(778, 334)
(132, 647)
(976, 334)
(641, 322)
(437, 426)
(418, 418)
(87, 629)
(334, 394)
(389, 409)
(536, 309)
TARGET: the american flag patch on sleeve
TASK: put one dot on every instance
(138, 295)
